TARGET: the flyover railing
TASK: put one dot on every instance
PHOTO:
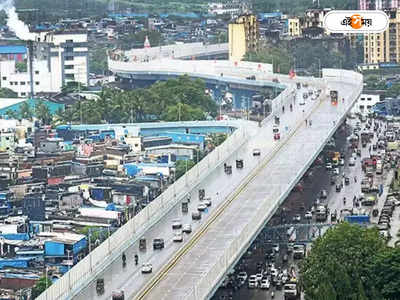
(202, 289)
(96, 261)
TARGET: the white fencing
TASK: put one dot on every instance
(87, 269)
(202, 289)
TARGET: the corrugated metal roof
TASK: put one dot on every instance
(7, 49)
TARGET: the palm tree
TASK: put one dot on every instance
(25, 111)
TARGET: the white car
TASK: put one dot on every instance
(178, 237)
(275, 247)
(265, 284)
(242, 275)
(176, 224)
(328, 166)
(308, 215)
(256, 152)
(187, 228)
(253, 283)
(259, 276)
(274, 272)
(342, 162)
(201, 207)
(336, 171)
(147, 268)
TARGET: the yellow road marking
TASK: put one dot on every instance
(156, 279)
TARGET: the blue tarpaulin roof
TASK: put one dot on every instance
(12, 49)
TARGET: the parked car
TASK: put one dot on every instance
(265, 284)
(242, 275)
(308, 215)
(275, 248)
(253, 282)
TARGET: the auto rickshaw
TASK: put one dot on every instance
(202, 194)
(142, 244)
(375, 212)
(239, 163)
(100, 286)
(333, 216)
(185, 207)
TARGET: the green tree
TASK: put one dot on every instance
(342, 258)
(12, 114)
(182, 166)
(98, 63)
(386, 273)
(183, 112)
(25, 111)
(40, 286)
(42, 112)
(7, 93)
(21, 67)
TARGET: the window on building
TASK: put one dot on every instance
(23, 94)
(361, 107)
(362, 99)
(36, 82)
(15, 82)
(4, 78)
(69, 58)
(11, 83)
(69, 76)
(369, 98)
(368, 106)
(69, 67)
(69, 41)
(36, 72)
(22, 83)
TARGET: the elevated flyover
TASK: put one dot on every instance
(196, 269)
(261, 185)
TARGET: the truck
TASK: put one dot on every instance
(299, 251)
(292, 290)
(321, 213)
(365, 185)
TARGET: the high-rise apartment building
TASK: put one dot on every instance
(243, 36)
(385, 46)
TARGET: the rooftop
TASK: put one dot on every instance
(9, 49)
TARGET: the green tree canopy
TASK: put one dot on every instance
(182, 166)
(339, 263)
(42, 113)
(385, 270)
(182, 98)
(25, 111)
(7, 93)
(40, 286)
